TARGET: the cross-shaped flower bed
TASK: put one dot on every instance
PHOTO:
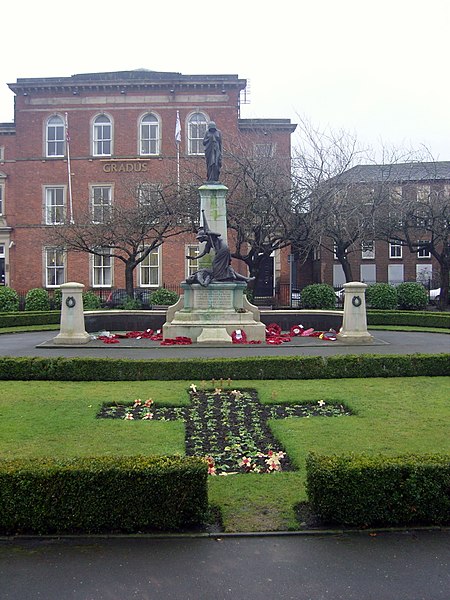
(229, 428)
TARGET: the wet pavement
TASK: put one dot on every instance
(385, 342)
(352, 566)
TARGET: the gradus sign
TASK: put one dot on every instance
(126, 166)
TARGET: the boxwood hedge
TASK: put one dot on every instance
(102, 494)
(371, 491)
(191, 369)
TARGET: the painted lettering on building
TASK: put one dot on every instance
(125, 167)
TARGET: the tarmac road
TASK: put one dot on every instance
(385, 342)
(357, 566)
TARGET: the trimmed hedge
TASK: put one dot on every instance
(95, 495)
(368, 491)
(21, 319)
(413, 318)
(278, 367)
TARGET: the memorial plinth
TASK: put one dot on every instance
(72, 331)
(354, 322)
(211, 314)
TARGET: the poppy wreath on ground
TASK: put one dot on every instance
(296, 330)
(147, 334)
(178, 341)
(273, 329)
(239, 337)
(108, 339)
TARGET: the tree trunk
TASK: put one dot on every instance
(444, 281)
(342, 258)
(129, 269)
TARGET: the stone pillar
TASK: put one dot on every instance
(354, 322)
(213, 202)
(72, 329)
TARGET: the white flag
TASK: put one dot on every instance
(178, 129)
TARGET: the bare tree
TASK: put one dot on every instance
(418, 215)
(141, 217)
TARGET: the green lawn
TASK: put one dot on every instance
(392, 416)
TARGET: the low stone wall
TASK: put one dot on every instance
(140, 320)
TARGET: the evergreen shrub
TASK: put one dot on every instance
(103, 494)
(9, 299)
(372, 491)
(37, 299)
(411, 296)
(318, 296)
(381, 296)
(91, 301)
(163, 297)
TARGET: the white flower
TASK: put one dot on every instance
(321, 403)
(193, 388)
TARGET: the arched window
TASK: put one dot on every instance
(102, 136)
(55, 136)
(149, 135)
(197, 125)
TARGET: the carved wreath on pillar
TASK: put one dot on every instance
(356, 301)
(70, 301)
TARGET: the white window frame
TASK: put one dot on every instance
(149, 134)
(192, 265)
(102, 135)
(264, 150)
(55, 208)
(368, 250)
(395, 250)
(102, 268)
(57, 268)
(2, 198)
(147, 270)
(196, 129)
(55, 137)
(423, 253)
(148, 193)
(2, 153)
(99, 207)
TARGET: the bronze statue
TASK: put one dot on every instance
(213, 152)
(221, 265)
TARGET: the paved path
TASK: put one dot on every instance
(385, 566)
(385, 342)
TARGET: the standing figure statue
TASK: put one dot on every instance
(221, 265)
(213, 152)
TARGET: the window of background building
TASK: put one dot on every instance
(102, 268)
(395, 274)
(395, 250)
(2, 153)
(55, 269)
(197, 125)
(2, 197)
(424, 274)
(368, 273)
(102, 136)
(149, 270)
(264, 150)
(55, 132)
(2, 264)
(367, 250)
(101, 203)
(423, 252)
(54, 205)
(149, 135)
(192, 265)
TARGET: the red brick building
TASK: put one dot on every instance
(120, 124)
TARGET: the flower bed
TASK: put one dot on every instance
(229, 428)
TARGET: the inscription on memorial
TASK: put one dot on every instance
(209, 298)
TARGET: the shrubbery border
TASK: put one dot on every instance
(369, 491)
(102, 494)
(191, 369)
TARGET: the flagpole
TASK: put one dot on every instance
(177, 141)
(69, 174)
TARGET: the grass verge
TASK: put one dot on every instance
(392, 416)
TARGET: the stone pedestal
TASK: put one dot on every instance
(211, 314)
(354, 323)
(72, 317)
(213, 202)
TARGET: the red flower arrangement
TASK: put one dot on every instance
(239, 337)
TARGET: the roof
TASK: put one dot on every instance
(136, 79)
(397, 172)
(267, 125)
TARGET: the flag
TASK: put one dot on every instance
(178, 129)
(67, 128)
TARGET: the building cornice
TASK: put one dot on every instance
(124, 81)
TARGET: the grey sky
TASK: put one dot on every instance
(378, 69)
